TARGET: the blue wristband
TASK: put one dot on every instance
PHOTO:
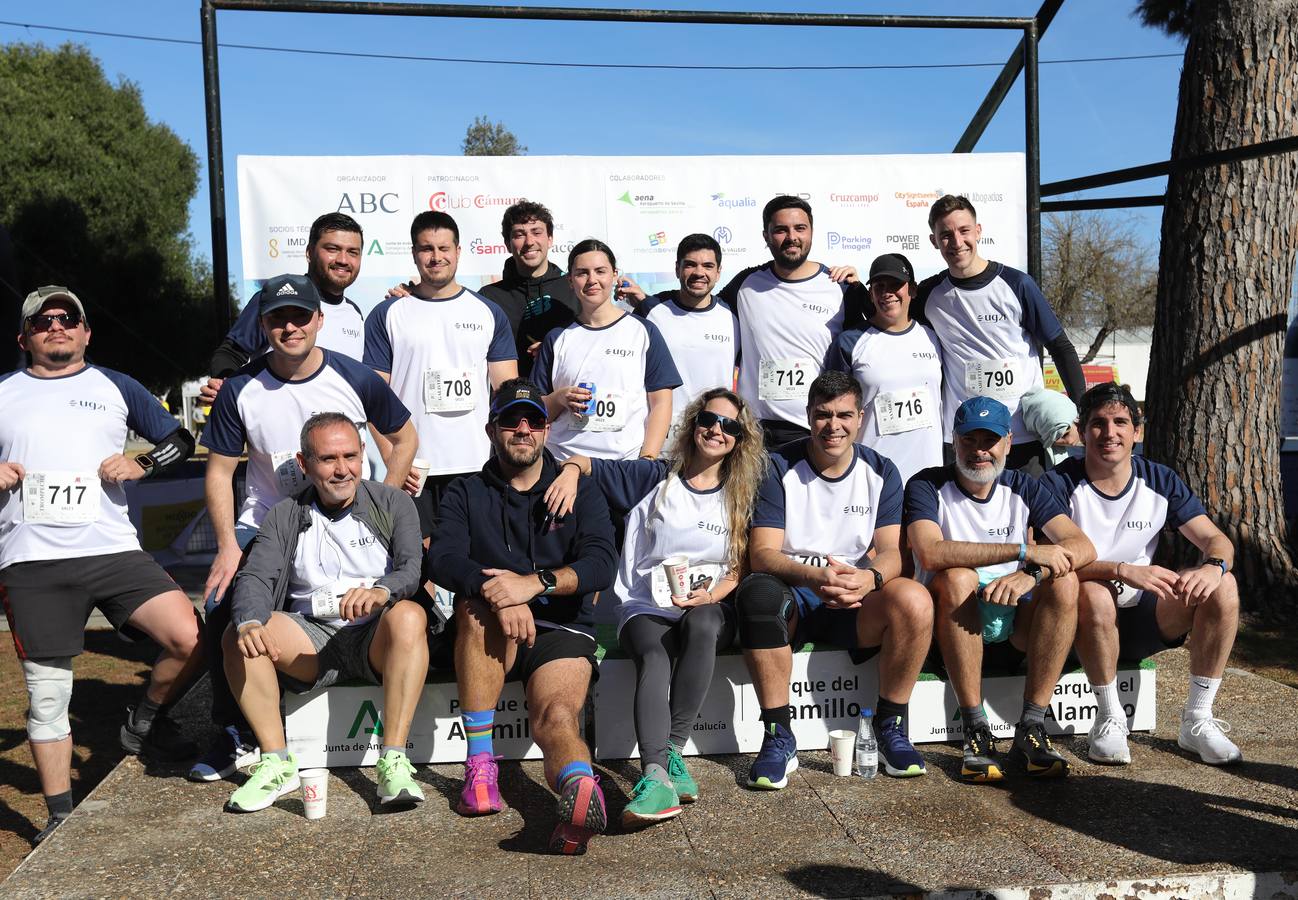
(1023, 552)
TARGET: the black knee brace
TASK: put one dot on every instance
(765, 606)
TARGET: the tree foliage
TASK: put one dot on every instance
(1172, 16)
(1098, 274)
(96, 198)
(487, 138)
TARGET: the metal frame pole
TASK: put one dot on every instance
(215, 172)
(1032, 140)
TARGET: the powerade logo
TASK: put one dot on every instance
(479, 247)
(904, 241)
(721, 235)
(442, 201)
(725, 202)
(840, 241)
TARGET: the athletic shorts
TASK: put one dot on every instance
(777, 432)
(1138, 632)
(342, 652)
(552, 644)
(429, 502)
(48, 601)
(822, 624)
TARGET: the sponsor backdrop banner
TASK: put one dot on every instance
(641, 206)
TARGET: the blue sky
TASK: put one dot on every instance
(1096, 116)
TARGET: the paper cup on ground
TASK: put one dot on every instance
(842, 746)
(315, 791)
(420, 467)
(677, 569)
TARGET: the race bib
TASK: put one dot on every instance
(450, 390)
(288, 474)
(61, 498)
(999, 379)
(700, 576)
(815, 560)
(607, 413)
(786, 379)
(906, 410)
(326, 602)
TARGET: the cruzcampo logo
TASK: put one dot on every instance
(366, 709)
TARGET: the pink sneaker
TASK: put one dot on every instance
(480, 796)
(581, 816)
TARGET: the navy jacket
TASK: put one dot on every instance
(486, 524)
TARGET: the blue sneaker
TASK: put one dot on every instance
(775, 761)
(899, 757)
(227, 754)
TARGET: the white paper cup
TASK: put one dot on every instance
(420, 466)
(677, 569)
(315, 791)
(842, 746)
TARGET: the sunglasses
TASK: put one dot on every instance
(706, 420)
(511, 418)
(43, 321)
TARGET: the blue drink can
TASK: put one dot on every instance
(590, 386)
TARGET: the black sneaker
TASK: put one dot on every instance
(53, 823)
(1032, 745)
(162, 742)
(980, 757)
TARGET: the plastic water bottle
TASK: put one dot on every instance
(867, 750)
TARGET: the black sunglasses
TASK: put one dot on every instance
(706, 419)
(511, 418)
(44, 321)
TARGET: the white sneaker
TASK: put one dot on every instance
(1207, 737)
(1108, 742)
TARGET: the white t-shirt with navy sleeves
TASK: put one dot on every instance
(990, 328)
(786, 329)
(436, 353)
(625, 360)
(1125, 527)
(258, 408)
(824, 517)
(1016, 503)
(343, 329)
(664, 517)
(900, 374)
(60, 429)
(337, 552)
(703, 342)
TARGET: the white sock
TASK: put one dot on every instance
(1203, 691)
(1110, 705)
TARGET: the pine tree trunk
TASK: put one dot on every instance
(1225, 274)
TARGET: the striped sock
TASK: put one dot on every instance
(573, 771)
(477, 729)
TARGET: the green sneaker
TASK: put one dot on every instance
(396, 780)
(651, 801)
(687, 789)
(270, 779)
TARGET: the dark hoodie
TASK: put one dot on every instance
(535, 306)
(486, 524)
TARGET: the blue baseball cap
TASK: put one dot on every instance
(519, 391)
(288, 290)
(982, 413)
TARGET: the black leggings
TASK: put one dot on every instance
(667, 702)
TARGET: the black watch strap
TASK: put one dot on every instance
(878, 577)
(548, 581)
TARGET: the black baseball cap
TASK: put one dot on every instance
(891, 265)
(519, 391)
(288, 290)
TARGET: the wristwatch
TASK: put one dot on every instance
(147, 463)
(548, 582)
(1216, 561)
(1033, 569)
(878, 576)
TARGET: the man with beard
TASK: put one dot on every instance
(790, 312)
(520, 577)
(968, 525)
(700, 332)
(323, 598)
(333, 254)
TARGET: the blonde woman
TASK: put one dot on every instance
(696, 504)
